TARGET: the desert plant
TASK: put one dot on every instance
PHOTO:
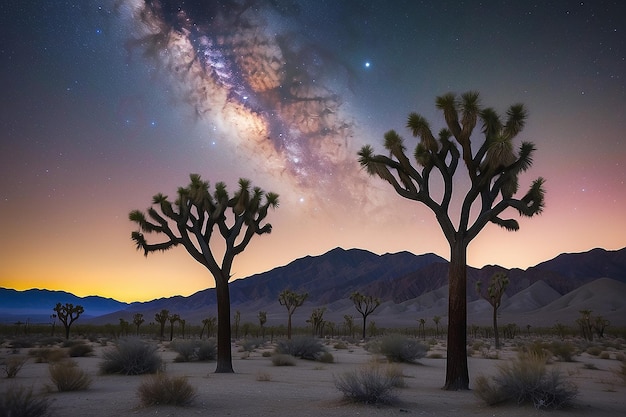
(526, 379)
(340, 345)
(398, 348)
(326, 357)
(291, 300)
(68, 314)
(67, 376)
(303, 347)
(249, 345)
(370, 384)
(47, 355)
(594, 350)
(497, 286)
(161, 389)
(187, 350)
(283, 359)
(263, 376)
(207, 350)
(80, 350)
(563, 350)
(12, 365)
(131, 357)
(20, 401)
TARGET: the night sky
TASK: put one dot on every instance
(106, 103)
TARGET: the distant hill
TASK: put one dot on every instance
(409, 286)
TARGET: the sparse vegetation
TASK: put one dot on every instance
(67, 376)
(20, 401)
(398, 348)
(80, 350)
(563, 350)
(283, 359)
(47, 355)
(161, 389)
(131, 357)
(12, 365)
(370, 384)
(527, 379)
(303, 347)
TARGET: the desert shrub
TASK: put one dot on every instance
(186, 349)
(12, 365)
(304, 347)
(22, 343)
(20, 401)
(50, 341)
(263, 377)
(563, 351)
(589, 365)
(594, 350)
(67, 376)
(249, 345)
(620, 357)
(436, 355)
(526, 379)
(340, 345)
(207, 350)
(605, 355)
(79, 350)
(395, 372)
(131, 357)
(370, 384)
(283, 359)
(47, 355)
(67, 343)
(621, 371)
(266, 354)
(160, 389)
(398, 348)
(326, 357)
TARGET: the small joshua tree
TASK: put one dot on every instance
(138, 321)
(173, 318)
(364, 304)
(348, 323)
(495, 291)
(237, 320)
(291, 300)
(68, 314)
(317, 321)
(124, 325)
(262, 321)
(208, 323)
(437, 320)
(161, 318)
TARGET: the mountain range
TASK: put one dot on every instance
(410, 287)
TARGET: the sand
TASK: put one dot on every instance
(258, 388)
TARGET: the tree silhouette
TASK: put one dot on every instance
(237, 320)
(437, 320)
(262, 321)
(124, 326)
(209, 324)
(422, 328)
(191, 220)
(348, 324)
(317, 321)
(492, 174)
(364, 304)
(497, 285)
(173, 318)
(68, 314)
(138, 321)
(291, 300)
(161, 318)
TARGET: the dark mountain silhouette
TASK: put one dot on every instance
(397, 279)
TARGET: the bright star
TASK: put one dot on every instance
(367, 64)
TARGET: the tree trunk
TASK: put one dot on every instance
(495, 327)
(289, 326)
(224, 355)
(67, 332)
(364, 318)
(457, 375)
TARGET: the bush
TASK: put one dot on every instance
(397, 348)
(282, 359)
(326, 357)
(13, 365)
(303, 347)
(564, 351)
(370, 384)
(47, 355)
(340, 345)
(160, 389)
(131, 357)
(67, 376)
(249, 345)
(207, 350)
(186, 349)
(79, 350)
(526, 379)
(20, 401)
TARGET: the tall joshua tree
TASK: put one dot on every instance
(161, 318)
(190, 221)
(492, 168)
(67, 315)
(138, 321)
(364, 304)
(291, 300)
(497, 285)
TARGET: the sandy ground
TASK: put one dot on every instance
(307, 389)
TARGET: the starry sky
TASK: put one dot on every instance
(106, 103)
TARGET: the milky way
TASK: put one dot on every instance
(268, 89)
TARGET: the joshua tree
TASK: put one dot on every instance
(161, 318)
(67, 315)
(53, 317)
(237, 320)
(191, 220)
(495, 291)
(585, 324)
(317, 321)
(173, 318)
(209, 324)
(138, 321)
(124, 325)
(422, 328)
(492, 170)
(348, 323)
(262, 321)
(365, 304)
(437, 320)
(600, 324)
(291, 300)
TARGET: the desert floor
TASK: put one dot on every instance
(307, 389)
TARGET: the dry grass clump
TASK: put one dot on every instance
(131, 357)
(370, 384)
(263, 376)
(48, 355)
(283, 359)
(67, 376)
(12, 365)
(20, 401)
(526, 379)
(79, 350)
(161, 389)
(194, 350)
(303, 347)
(563, 351)
(398, 348)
